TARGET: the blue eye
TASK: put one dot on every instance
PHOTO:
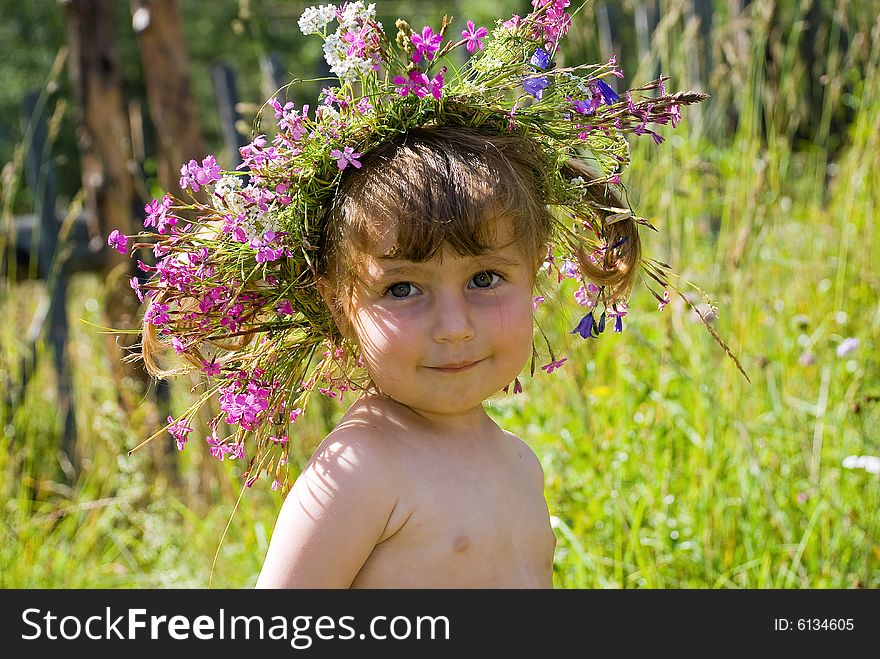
(401, 290)
(485, 279)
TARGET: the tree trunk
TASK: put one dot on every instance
(106, 163)
(166, 75)
(103, 139)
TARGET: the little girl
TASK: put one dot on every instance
(430, 267)
(387, 247)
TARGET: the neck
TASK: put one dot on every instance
(464, 424)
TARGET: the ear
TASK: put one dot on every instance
(338, 308)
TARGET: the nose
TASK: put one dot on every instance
(453, 321)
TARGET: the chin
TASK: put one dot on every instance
(459, 403)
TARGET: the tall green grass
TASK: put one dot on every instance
(664, 466)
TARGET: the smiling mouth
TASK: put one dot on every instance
(455, 368)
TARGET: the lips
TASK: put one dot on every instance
(456, 367)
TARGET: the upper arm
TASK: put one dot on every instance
(331, 519)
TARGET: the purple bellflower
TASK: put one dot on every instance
(586, 328)
(608, 95)
(536, 86)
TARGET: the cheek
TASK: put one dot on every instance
(524, 333)
(511, 327)
(517, 318)
(379, 333)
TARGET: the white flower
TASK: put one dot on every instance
(356, 12)
(328, 114)
(226, 194)
(255, 222)
(488, 64)
(870, 463)
(242, 204)
(347, 68)
(334, 50)
(314, 19)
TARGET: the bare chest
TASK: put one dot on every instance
(462, 529)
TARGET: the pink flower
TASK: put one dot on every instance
(512, 22)
(193, 176)
(236, 451)
(357, 41)
(135, 284)
(157, 215)
(295, 414)
(289, 119)
(255, 156)
(157, 314)
(586, 297)
(420, 84)
(436, 84)
(426, 44)
(346, 157)
(552, 366)
(327, 391)
(473, 36)
(551, 17)
(210, 368)
(179, 431)
(265, 250)
(217, 448)
(245, 408)
(285, 308)
(118, 241)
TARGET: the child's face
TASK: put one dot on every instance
(444, 335)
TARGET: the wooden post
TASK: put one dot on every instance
(606, 24)
(227, 100)
(704, 11)
(175, 117)
(273, 75)
(44, 243)
(107, 166)
(172, 106)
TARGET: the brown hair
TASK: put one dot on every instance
(618, 266)
(436, 187)
(445, 186)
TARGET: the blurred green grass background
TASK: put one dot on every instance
(665, 467)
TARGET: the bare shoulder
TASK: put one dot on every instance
(336, 512)
(526, 456)
(352, 461)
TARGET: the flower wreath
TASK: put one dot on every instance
(233, 289)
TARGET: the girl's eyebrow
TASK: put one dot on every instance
(402, 267)
(484, 261)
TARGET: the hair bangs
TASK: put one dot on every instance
(437, 188)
